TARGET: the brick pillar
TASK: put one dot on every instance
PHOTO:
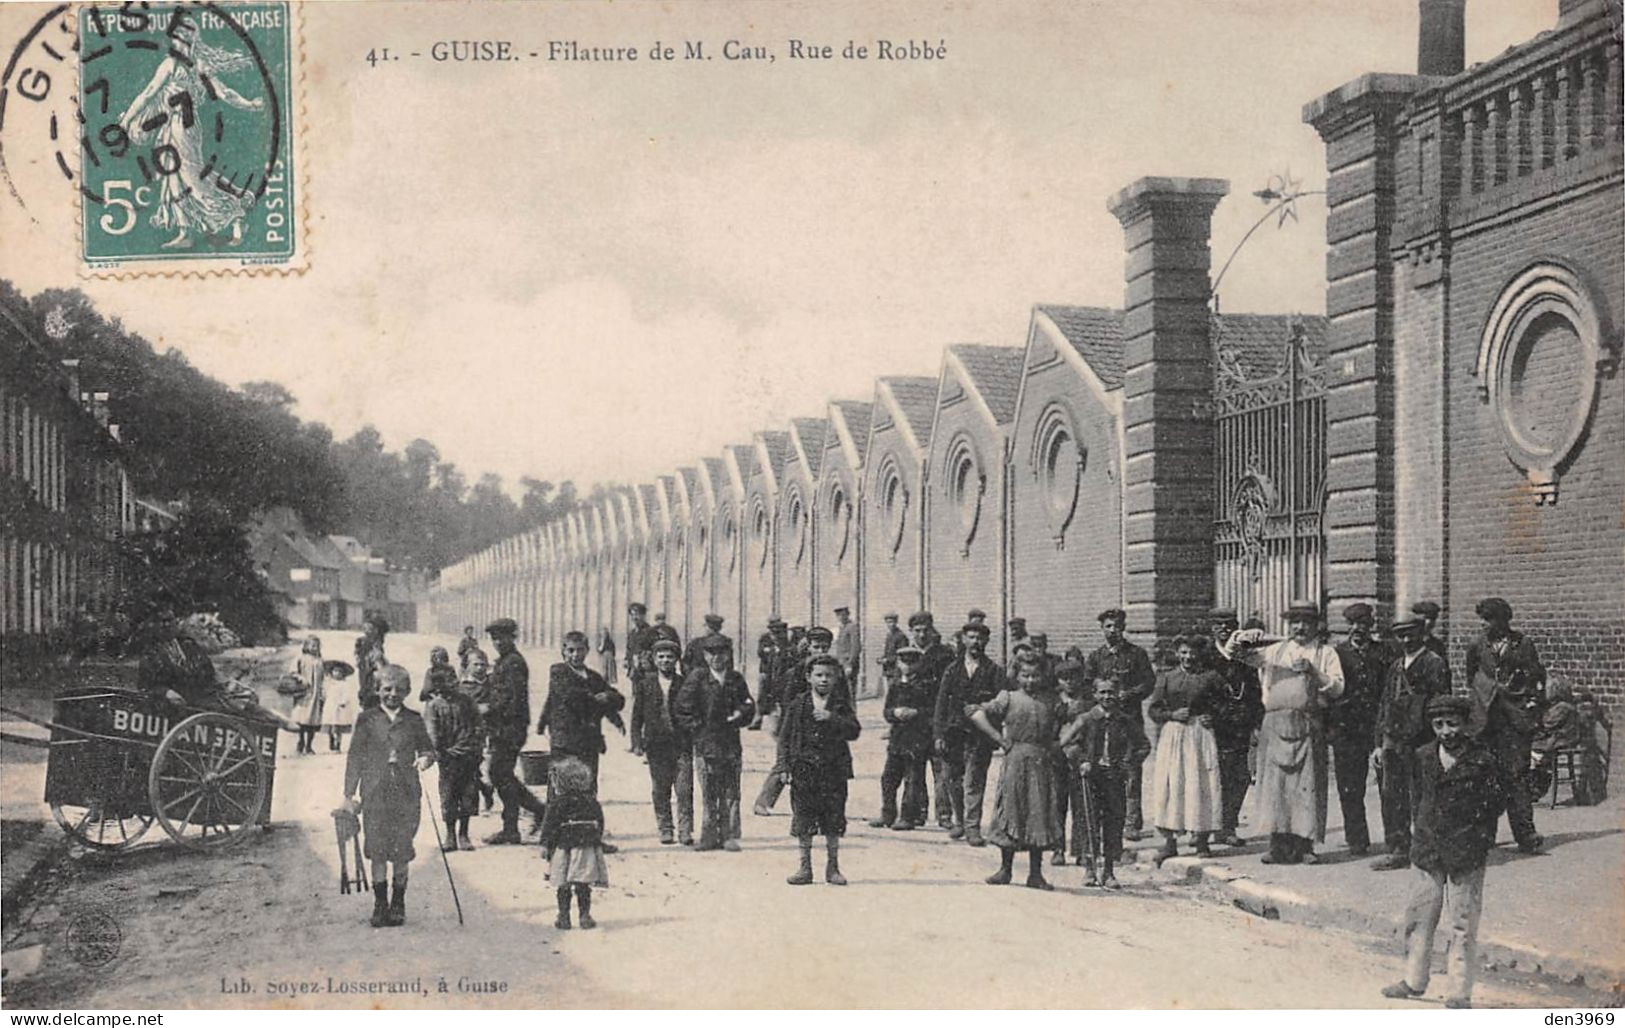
(1360, 124)
(1167, 403)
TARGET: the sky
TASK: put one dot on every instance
(601, 272)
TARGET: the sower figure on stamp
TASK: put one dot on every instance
(1457, 788)
(507, 720)
(713, 706)
(814, 748)
(1111, 745)
(1238, 708)
(1296, 677)
(1506, 678)
(1410, 683)
(967, 685)
(1351, 721)
(1131, 667)
(391, 746)
(453, 723)
(578, 702)
(664, 744)
(910, 702)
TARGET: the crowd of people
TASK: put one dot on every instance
(1234, 711)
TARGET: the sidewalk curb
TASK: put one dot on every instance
(27, 866)
(1226, 884)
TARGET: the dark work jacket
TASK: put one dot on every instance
(1177, 688)
(825, 745)
(379, 743)
(1130, 666)
(573, 717)
(652, 724)
(1351, 719)
(572, 821)
(434, 678)
(694, 656)
(798, 684)
(911, 738)
(638, 642)
(957, 691)
(1505, 689)
(896, 639)
(1456, 810)
(712, 713)
(508, 692)
(1402, 716)
(453, 723)
(1118, 739)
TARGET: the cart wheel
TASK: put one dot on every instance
(207, 782)
(99, 827)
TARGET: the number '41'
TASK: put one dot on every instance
(378, 54)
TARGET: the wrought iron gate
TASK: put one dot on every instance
(1270, 470)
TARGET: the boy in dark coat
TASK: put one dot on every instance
(712, 707)
(453, 724)
(1507, 681)
(1459, 796)
(664, 744)
(1110, 744)
(967, 682)
(389, 749)
(1412, 680)
(814, 749)
(578, 701)
(909, 703)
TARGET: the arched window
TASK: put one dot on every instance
(1058, 459)
(840, 522)
(966, 484)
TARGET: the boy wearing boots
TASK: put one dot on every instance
(713, 705)
(573, 839)
(453, 723)
(815, 752)
(391, 746)
(909, 704)
(1111, 745)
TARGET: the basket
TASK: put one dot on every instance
(533, 766)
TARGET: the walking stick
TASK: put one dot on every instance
(441, 847)
(1088, 820)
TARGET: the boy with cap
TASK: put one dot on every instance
(640, 636)
(848, 652)
(507, 721)
(1237, 711)
(578, 702)
(819, 641)
(390, 748)
(896, 639)
(967, 684)
(1351, 721)
(453, 723)
(1428, 611)
(1108, 744)
(1073, 699)
(1458, 796)
(712, 707)
(664, 744)
(1506, 680)
(909, 705)
(934, 660)
(1131, 666)
(815, 751)
(694, 657)
(775, 657)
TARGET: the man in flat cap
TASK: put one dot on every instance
(1507, 682)
(910, 704)
(974, 616)
(775, 659)
(507, 719)
(665, 744)
(1130, 666)
(1409, 684)
(896, 639)
(640, 636)
(1351, 721)
(1236, 711)
(968, 682)
(1428, 611)
(1458, 795)
(1018, 629)
(664, 630)
(935, 656)
(1297, 676)
(712, 707)
(819, 641)
(847, 649)
(694, 656)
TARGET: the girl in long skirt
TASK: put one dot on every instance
(814, 750)
(1184, 794)
(308, 711)
(1025, 815)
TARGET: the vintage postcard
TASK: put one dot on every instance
(815, 505)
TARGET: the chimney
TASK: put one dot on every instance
(71, 367)
(1441, 47)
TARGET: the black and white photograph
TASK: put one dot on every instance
(736, 505)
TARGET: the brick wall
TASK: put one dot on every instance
(964, 570)
(838, 543)
(1063, 575)
(797, 548)
(891, 538)
(761, 599)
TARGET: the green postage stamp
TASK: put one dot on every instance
(187, 157)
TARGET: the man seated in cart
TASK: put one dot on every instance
(175, 667)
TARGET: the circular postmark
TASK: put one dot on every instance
(93, 936)
(168, 120)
